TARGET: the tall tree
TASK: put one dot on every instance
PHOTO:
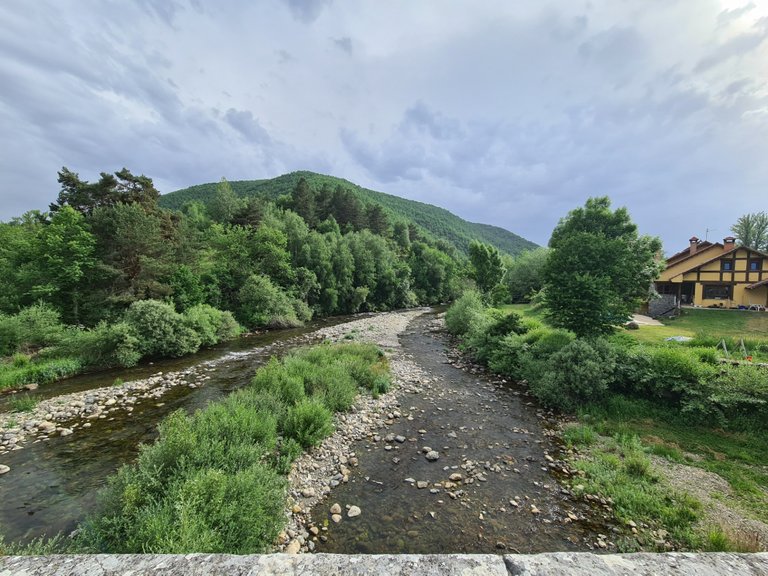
(303, 202)
(121, 188)
(225, 203)
(751, 230)
(487, 265)
(599, 269)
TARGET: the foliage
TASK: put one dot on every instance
(524, 274)
(751, 230)
(467, 310)
(212, 325)
(23, 403)
(213, 481)
(487, 265)
(160, 330)
(430, 222)
(262, 303)
(598, 269)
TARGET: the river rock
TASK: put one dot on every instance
(432, 455)
(353, 511)
(336, 518)
(4, 469)
(293, 547)
(336, 509)
(30, 387)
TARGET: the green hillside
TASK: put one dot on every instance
(439, 222)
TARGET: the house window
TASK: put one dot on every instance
(717, 292)
(726, 265)
(756, 265)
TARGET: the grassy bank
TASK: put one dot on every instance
(638, 397)
(215, 481)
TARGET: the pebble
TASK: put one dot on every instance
(432, 455)
(336, 509)
(4, 469)
(353, 512)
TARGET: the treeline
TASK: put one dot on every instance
(104, 247)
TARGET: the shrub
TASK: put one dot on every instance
(105, 345)
(577, 374)
(34, 327)
(551, 341)
(579, 435)
(508, 356)
(160, 330)
(211, 324)
(464, 312)
(262, 303)
(274, 379)
(308, 423)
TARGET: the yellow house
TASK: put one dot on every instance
(712, 274)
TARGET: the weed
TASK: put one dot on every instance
(23, 403)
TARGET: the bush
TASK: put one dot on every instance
(262, 303)
(577, 374)
(34, 327)
(308, 423)
(464, 312)
(211, 324)
(105, 345)
(508, 356)
(275, 380)
(160, 330)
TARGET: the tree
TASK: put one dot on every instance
(525, 274)
(120, 188)
(599, 269)
(487, 265)
(225, 203)
(303, 202)
(751, 230)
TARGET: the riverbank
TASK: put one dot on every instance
(75, 412)
(318, 471)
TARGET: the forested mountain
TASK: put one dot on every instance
(434, 222)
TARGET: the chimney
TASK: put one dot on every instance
(729, 243)
(694, 245)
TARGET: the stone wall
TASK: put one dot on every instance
(554, 564)
(662, 305)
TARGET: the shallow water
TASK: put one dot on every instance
(52, 484)
(465, 416)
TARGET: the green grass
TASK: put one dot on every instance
(741, 458)
(13, 375)
(215, 481)
(619, 469)
(23, 403)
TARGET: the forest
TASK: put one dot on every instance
(107, 276)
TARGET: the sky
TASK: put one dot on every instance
(505, 112)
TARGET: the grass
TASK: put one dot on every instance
(16, 374)
(618, 468)
(215, 481)
(738, 457)
(23, 403)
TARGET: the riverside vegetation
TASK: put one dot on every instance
(634, 400)
(215, 481)
(109, 277)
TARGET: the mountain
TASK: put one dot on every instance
(439, 222)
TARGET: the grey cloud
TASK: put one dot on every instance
(344, 44)
(244, 122)
(307, 11)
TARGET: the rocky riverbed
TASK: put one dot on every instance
(450, 460)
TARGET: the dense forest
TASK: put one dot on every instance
(429, 220)
(113, 272)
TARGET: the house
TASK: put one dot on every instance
(714, 274)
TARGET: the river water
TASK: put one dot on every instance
(53, 483)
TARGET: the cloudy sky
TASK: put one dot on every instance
(509, 113)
